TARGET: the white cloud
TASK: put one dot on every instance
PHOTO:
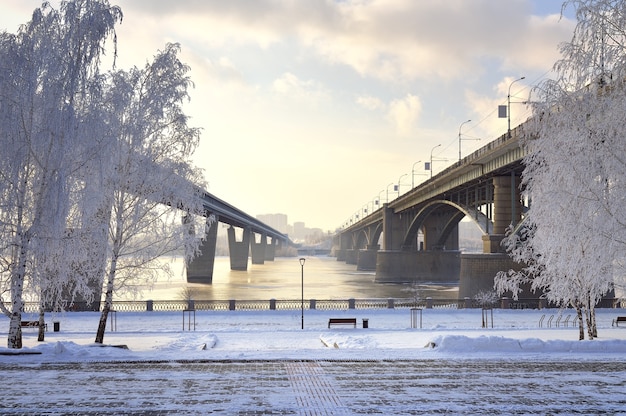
(391, 40)
(340, 82)
(291, 86)
(369, 102)
(404, 114)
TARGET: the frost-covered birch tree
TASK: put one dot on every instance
(47, 72)
(575, 233)
(151, 184)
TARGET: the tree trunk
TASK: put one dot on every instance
(15, 331)
(581, 323)
(103, 321)
(14, 340)
(42, 325)
(108, 302)
(593, 323)
(590, 324)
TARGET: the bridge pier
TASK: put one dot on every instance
(367, 258)
(398, 266)
(239, 250)
(479, 269)
(507, 206)
(200, 268)
(258, 249)
(270, 250)
(351, 256)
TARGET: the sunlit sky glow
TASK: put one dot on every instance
(315, 108)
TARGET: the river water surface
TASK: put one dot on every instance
(324, 278)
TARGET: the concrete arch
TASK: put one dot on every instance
(376, 234)
(360, 239)
(461, 211)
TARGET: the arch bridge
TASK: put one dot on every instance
(415, 237)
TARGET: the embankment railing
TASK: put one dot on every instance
(311, 304)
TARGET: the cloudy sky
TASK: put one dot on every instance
(316, 108)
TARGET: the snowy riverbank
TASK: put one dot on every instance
(277, 335)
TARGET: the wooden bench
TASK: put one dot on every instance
(33, 324)
(617, 320)
(342, 321)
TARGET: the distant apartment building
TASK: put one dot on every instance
(297, 232)
(276, 221)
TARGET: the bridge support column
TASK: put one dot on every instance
(507, 210)
(258, 249)
(200, 268)
(239, 250)
(394, 227)
(351, 256)
(366, 259)
(412, 266)
(270, 250)
(478, 271)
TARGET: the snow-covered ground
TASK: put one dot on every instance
(262, 362)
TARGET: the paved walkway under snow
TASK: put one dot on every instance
(322, 387)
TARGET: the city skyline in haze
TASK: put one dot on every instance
(317, 108)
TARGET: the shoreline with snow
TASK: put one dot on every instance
(277, 335)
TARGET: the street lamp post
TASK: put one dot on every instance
(460, 137)
(508, 105)
(302, 260)
(431, 159)
(388, 191)
(413, 174)
(400, 180)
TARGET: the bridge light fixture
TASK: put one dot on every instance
(399, 183)
(431, 159)
(302, 260)
(465, 122)
(508, 104)
(413, 174)
(388, 190)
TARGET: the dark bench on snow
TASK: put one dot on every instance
(342, 321)
(33, 324)
(617, 320)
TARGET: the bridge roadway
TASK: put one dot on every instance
(200, 269)
(420, 228)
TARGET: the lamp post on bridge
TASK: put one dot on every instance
(399, 181)
(375, 203)
(302, 260)
(508, 105)
(460, 137)
(365, 210)
(431, 159)
(413, 174)
(388, 190)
